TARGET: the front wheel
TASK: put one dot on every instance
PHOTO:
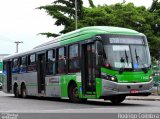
(73, 93)
(117, 99)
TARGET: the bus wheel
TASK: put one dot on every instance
(16, 91)
(23, 91)
(117, 99)
(73, 93)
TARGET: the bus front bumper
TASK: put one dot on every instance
(110, 88)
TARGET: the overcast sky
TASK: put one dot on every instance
(20, 21)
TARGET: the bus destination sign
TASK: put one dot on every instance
(126, 40)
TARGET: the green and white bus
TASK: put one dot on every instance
(98, 62)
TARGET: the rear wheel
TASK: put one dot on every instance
(117, 99)
(73, 93)
(23, 91)
(16, 91)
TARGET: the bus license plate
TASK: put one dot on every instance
(134, 91)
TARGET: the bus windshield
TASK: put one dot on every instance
(135, 57)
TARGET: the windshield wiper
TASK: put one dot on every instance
(122, 68)
(126, 56)
(137, 59)
(136, 56)
(123, 61)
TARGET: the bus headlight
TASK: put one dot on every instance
(108, 77)
(113, 78)
(151, 77)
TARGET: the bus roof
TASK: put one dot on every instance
(78, 35)
(93, 30)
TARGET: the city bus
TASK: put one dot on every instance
(97, 62)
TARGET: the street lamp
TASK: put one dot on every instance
(124, 1)
(17, 43)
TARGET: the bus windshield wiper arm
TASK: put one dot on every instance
(123, 61)
(126, 56)
(137, 59)
(136, 55)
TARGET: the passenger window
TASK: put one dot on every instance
(32, 62)
(15, 65)
(61, 60)
(51, 55)
(23, 64)
(51, 64)
(73, 51)
(24, 60)
(74, 60)
(32, 59)
(61, 53)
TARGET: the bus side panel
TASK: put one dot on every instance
(15, 79)
(98, 87)
(64, 82)
(30, 80)
(52, 86)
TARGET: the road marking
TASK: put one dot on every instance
(83, 110)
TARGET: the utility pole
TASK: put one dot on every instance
(75, 14)
(17, 43)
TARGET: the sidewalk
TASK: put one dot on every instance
(147, 98)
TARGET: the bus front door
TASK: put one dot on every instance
(88, 68)
(41, 73)
(9, 75)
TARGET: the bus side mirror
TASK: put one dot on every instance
(99, 61)
(99, 47)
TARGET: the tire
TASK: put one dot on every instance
(23, 92)
(16, 92)
(73, 93)
(84, 100)
(117, 99)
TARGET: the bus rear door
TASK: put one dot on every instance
(41, 73)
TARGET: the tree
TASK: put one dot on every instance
(64, 13)
(125, 15)
(91, 3)
(155, 42)
(155, 5)
(128, 16)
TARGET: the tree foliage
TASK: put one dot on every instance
(63, 11)
(128, 16)
(125, 15)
